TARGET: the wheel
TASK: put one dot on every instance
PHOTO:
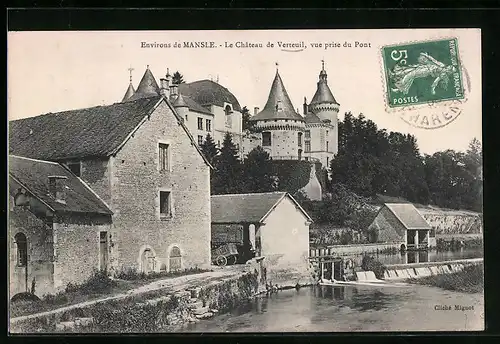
(221, 261)
(231, 260)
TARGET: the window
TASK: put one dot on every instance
(22, 249)
(165, 204)
(209, 125)
(218, 143)
(327, 133)
(327, 161)
(200, 123)
(200, 140)
(175, 259)
(307, 146)
(266, 139)
(308, 134)
(229, 120)
(299, 138)
(327, 146)
(163, 156)
(75, 167)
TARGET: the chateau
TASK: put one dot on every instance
(209, 108)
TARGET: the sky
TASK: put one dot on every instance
(56, 71)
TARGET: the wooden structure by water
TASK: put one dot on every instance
(330, 265)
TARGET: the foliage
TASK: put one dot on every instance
(178, 78)
(371, 264)
(469, 280)
(228, 169)
(209, 148)
(98, 283)
(258, 172)
(247, 123)
(134, 275)
(457, 244)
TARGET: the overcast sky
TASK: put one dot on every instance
(55, 71)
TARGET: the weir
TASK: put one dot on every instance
(418, 270)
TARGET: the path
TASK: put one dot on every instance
(177, 283)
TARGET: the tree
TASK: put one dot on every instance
(247, 123)
(258, 171)
(209, 149)
(228, 169)
(178, 78)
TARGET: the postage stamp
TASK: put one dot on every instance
(423, 72)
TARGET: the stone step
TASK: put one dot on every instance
(201, 310)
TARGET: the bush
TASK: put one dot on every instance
(98, 283)
(371, 264)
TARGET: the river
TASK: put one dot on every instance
(351, 309)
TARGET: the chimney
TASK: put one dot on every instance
(164, 87)
(57, 188)
(255, 110)
(305, 106)
(174, 91)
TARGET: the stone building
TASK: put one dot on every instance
(401, 223)
(142, 160)
(273, 224)
(205, 106)
(59, 229)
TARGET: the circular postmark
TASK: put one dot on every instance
(426, 82)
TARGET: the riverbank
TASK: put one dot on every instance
(468, 280)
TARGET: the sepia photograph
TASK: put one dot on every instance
(245, 181)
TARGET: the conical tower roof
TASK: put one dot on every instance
(323, 93)
(147, 86)
(279, 105)
(130, 92)
(180, 102)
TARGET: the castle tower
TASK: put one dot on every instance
(281, 127)
(321, 135)
(147, 86)
(130, 90)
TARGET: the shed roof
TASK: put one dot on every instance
(247, 208)
(34, 176)
(408, 215)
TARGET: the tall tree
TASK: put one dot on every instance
(228, 169)
(258, 172)
(245, 114)
(209, 149)
(177, 78)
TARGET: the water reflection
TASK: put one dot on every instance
(427, 256)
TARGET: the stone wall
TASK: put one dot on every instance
(453, 223)
(136, 185)
(388, 226)
(76, 247)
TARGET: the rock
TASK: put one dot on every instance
(205, 315)
(152, 302)
(201, 310)
(84, 321)
(65, 325)
(197, 304)
(214, 310)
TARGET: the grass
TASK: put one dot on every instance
(469, 280)
(97, 286)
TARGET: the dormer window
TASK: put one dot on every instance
(228, 116)
(279, 106)
(75, 167)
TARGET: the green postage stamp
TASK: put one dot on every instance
(422, 72)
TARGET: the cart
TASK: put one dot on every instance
(227, 253)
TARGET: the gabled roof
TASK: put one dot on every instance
(93, 132)
(247, 208)
(278, 94)
(33, 175)
(408, 215)
(207, 92)
(191, 104)
(96, 131)
(312, 118)
(147, 86)
(130, 92)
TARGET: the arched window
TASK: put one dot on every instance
(229, 119)
(299, 138)
(175, 259)
(22, 249)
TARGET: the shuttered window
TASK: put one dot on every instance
(164, 156)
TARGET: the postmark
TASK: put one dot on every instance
(425, 82)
